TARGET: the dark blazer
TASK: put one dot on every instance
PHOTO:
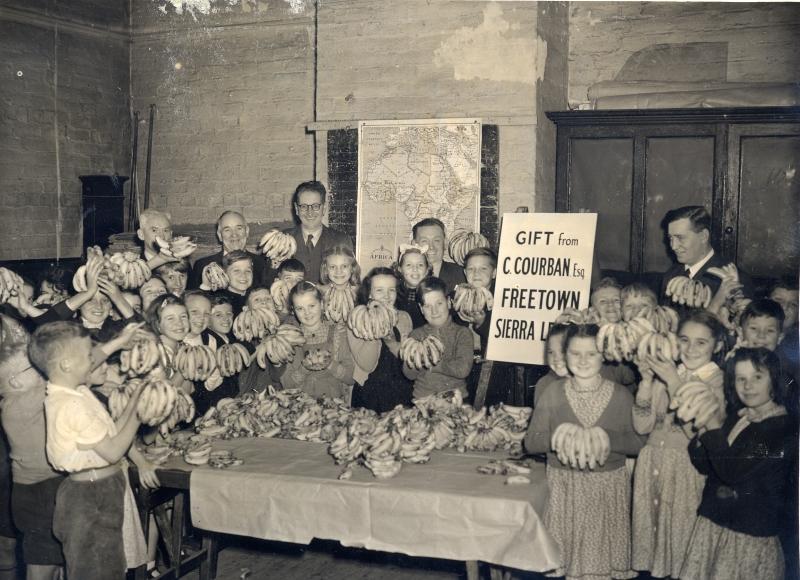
(263, 274)
(452, 274)
(703, 276)
(747, 482)
(312, 260)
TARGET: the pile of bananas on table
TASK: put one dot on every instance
(192, 448)
(380, 442)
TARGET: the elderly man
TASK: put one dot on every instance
(154, 224)
(312, 236)
(232, 232)
(689, 232)
(430, 232)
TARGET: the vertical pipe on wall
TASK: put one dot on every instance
(314, 76)
(59, 224)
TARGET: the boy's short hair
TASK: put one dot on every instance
(580, 331)
(431, 221)
(235, 256)
(149, 214)
(638, 289)
(486, 252)
(51, 340)
(219, 298)
(786, 283)
(763, 307)
(607, 282)
(316, 186)
(181, 266)
(196, 292)
(59, 277)
(428, 285)
(696, 214)
(291, 265)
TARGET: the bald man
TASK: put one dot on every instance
(232, 232)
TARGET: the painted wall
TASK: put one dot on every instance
(63, 111)
(741, 42)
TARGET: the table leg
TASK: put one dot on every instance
(164, 525)
(472, 570)
(177, 531)
(208, 566)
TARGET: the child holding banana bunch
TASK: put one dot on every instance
(667, 487)
(379, 381)
(584, 425)
(746, 458)
(451, 371)
(324, 365)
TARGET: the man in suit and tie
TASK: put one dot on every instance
(232, 232)
(430, 232)
(312, 236)
(689, 232)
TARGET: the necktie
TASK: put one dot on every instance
(310, 242)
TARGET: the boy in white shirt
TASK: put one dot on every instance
(90, 520)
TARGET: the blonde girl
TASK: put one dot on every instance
(588, 511)
(339, 267)
(412, 267)
(667, 487)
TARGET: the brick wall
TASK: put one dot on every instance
(745, 42)
(234, 93)
(64, 70)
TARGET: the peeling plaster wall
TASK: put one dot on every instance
(418, 59)
(233, 84)
(63, 113)
(762, 40)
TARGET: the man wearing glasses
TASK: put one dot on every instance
(312, 237)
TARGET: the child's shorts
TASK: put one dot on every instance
(33, 506)
(88, 521)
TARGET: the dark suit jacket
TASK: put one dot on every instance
(452, 274)
(263, 274)
(703, 276)
(312, 260)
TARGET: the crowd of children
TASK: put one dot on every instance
(706, 498)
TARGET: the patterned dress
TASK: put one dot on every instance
(666, 486)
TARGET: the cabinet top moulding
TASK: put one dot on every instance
(673, 116)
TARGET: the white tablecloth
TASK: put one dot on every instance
(288, 491)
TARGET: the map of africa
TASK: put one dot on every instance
(410, 170)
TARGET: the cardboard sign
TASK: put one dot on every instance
(544, 266)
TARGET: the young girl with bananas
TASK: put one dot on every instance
(169, 319)
(378, 375)
(340, 275)
(667, 487)
(412, 267)
(324, 365)
(586, 430)
(746, 459)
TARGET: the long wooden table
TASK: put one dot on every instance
(289, 491)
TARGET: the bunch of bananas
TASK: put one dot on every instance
(317, 359)
(195, 363)
(10, 284)
(214, 277)
(232, 359)
(659, 346)
(156, 401)
(372, 321)
(694, 401)
(279, 347)
(488, 431)
(693, 293)
(618, 341)
(132, 271)
(180, 247)
(277, 246)
(109, 271)
(280, 295)
(120, 396)
(142, 357)
(182, 412)
(197, 453)
(338, 302)
(581, 447)
(421, 354)
(462, 241)
(735, 301)
(470, 302)
(574, 316)
(255, 323)
(663, 318)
